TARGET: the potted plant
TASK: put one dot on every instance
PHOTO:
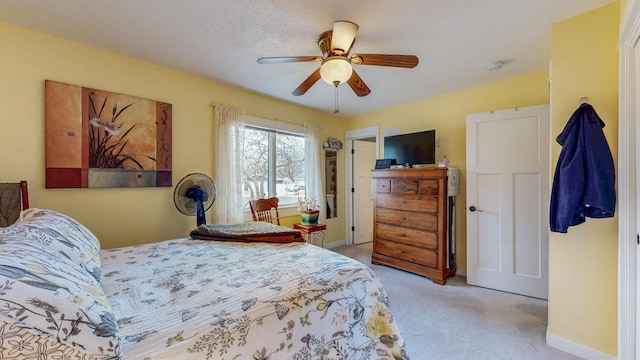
(309, 210)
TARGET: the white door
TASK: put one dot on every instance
(508, 200)
(364, 160)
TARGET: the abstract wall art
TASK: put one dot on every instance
(101, 139)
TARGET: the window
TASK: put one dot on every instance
(273, 163)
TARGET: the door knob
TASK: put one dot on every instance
(473, 208)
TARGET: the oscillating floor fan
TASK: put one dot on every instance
(194, 195)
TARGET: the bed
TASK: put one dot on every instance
(235, 297)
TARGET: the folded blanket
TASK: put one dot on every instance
(247, 232)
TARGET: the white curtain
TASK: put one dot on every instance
(313, 172)
(229, 142)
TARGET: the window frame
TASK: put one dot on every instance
(274, 127)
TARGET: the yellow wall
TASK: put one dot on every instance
(120, 216)
(583, 262)
(447, 114)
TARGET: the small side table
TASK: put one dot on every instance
(311, 229)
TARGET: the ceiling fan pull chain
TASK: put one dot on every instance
(336, 110)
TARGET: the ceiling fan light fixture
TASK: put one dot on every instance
(344, 33)
(336, 70)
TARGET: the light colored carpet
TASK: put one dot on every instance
(459, 321)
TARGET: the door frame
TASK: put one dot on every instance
(349, 136)
(627, 182)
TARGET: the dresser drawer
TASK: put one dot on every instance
(409, 253)
(416, 220)
(404, 186)
(383, 186)
(428, 187)
(426, 203)
(408, 236)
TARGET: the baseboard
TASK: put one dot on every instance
(335, 244)
(576, 349)
(461, 272)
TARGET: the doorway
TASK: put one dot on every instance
(350, 136)
(364, 159)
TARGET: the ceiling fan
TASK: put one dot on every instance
(336, 67)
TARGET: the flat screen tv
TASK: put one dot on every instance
(418, 148)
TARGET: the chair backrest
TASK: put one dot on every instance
(14, 197)
(265, 210)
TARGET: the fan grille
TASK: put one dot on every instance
(187, 205)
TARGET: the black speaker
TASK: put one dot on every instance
(385, 163)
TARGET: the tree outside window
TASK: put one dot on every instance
(273, 165)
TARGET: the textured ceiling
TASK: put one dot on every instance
(455, 40)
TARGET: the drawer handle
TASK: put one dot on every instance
(404, 201)
(404, 235)
(404, 219)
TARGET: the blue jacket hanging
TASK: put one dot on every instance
(584, 180)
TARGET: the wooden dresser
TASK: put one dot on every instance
(410, 222)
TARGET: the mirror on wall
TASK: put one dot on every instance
(331, 182)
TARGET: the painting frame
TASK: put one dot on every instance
(333, 143)
(102, 139)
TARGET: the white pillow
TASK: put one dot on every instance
(52, 300)
(60, 233)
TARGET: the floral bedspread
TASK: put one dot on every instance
(194, 299)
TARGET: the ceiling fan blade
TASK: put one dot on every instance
(344, 34)
(307, 83)
(288, 59)
(403, 61)
(357, 85)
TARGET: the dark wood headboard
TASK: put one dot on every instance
(14, 197)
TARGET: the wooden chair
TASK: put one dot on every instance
(263, 210)
(14, 197)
